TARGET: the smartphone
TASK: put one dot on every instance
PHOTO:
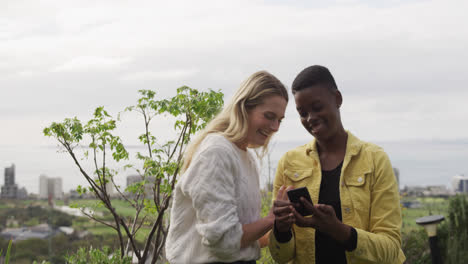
(295, 197)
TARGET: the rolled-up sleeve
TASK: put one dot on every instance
(211, 186)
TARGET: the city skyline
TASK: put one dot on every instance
(417, 162)
(401, 66)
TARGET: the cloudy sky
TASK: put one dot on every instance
(402, 66)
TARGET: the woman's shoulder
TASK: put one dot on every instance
(297, 155)
(214, 144)
(365, 146)
(373, 148)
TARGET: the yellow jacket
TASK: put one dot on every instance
(370, 203)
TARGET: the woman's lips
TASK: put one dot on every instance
(315, 128)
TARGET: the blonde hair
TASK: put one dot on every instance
(232, 121)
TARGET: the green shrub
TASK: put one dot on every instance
(415, 245)
(96, 256)
(454, 232)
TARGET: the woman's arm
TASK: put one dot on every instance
(381, 243)
(210, 184)
(282, 252)
(254, 231)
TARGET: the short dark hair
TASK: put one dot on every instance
(314, 75)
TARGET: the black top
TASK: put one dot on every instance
(328, 250)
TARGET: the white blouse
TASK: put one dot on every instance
(217, 194)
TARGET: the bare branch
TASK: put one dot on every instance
(97, 220)
(132, 239)
(156, 225)
(103, 181)
(148, 143)
(121, 194)
(140, 224)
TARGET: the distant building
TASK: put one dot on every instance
(41, 231)
(414, 190)
(411, 204)
(148, 192)
(436, 190)
(43, 189)
(460, 183)
(396, 171)
(50, 187)
(74, 194)
(429, 191)
(10, 188)
(109, 187)
(22, 193)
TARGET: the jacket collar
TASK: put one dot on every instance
(353, 146)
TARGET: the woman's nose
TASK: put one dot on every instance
(310, 117)
(275, 125)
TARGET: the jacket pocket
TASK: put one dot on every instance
(356, 180)
(298, 178)
(359, 192)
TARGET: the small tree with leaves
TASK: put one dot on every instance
(161, 162)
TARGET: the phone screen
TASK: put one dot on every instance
(295, 197)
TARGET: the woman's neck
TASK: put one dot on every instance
(241, 145)
(336, 143)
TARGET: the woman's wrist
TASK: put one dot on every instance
(342, 233)
(270, 220)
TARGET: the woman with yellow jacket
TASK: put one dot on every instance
(355, 216)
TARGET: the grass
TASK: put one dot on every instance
(429, 206)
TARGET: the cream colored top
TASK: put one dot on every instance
(217, 194)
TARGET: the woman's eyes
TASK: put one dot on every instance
(317, 108)
(269, 116)
(314, 109)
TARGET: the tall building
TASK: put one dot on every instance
(10, 188)
(397, 175)
(50, 187)
(109, 187)
(43, 189)
(460, 183)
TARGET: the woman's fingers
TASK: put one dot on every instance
(302, 221)
(279, 195)
(281, 203)
(285, 193)
(288, 218)
(279, 211)
(308, 205)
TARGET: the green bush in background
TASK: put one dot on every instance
(97, 256)
(453, 233)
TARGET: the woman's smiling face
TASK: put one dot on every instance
(265, 119)
(318, 107)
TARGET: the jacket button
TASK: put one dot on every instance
(296, 175)
(359, 179)
(347, 210)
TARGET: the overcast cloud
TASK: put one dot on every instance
(402, 66)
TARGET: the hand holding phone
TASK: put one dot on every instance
(295, 198)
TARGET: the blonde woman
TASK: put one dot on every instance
(215, 214)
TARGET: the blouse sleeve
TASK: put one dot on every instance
(210, 183)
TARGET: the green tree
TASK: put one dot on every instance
(190, 110)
